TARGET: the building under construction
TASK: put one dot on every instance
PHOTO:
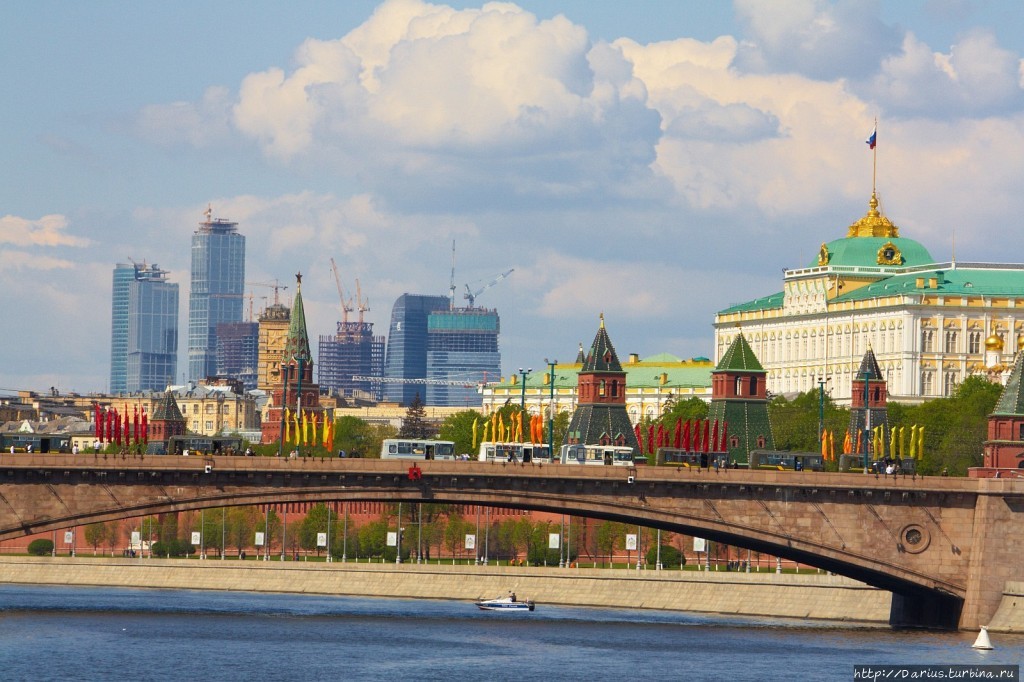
(238, 352)
(352, 351)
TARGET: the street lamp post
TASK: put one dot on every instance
(821, 407)
(551, 407)
(522, 402)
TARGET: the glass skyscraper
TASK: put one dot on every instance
(144, 329)
(462, 346)
(218, 283)
(457, 347)
(406, 356)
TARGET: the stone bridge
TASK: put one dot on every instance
(943, 546)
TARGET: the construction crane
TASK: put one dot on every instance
(275, 285)
(471, 295)
(346, 306)
(430, 382)
(362, 303)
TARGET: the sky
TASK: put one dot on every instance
(652, 161)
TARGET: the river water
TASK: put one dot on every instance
(50, 633)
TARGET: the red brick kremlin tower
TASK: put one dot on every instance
(167, 420)
(600, 417)
(296, 389)
(1004, 448)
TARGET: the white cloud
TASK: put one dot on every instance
(48, 231)
(816, 38)
(197, 124)
(457, 102)
(976, 77)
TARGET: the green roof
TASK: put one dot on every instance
(297, 342)
(959, 281)
(739, 358)
(863, 252)
(1011, 400)
(771, 302)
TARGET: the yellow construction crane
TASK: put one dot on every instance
(362, 303)
(275, 285)
(346, 306)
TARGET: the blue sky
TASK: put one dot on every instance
(655, 161)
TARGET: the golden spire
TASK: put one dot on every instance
(602, 320)
(873, 224)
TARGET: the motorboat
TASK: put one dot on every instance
(506, 603)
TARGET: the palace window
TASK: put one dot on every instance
(974, 342)
(951, 341)
(927, 379)
(927, 340)
(949, 383)
(739, 386)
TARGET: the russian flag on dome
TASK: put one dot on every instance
(873, 137)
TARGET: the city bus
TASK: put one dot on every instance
(613, 455)
(538, 453)
(783, 459)
(413, 448)
(691, 458)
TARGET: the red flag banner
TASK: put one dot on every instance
(685, 445)
(705, 440)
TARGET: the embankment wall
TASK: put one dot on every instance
(803, 596)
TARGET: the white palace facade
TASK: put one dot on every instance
(930, 324)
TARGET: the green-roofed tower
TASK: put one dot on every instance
(296, 391)
(166, 420)
(871, 389)
(600, 417)
(1005, 445)
(739, 401)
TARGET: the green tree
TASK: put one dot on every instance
(96, 535)
(40, 547)
(455, 535)
(458, 428)
(242, 523)
(691, 408)
(415, 425)
(609, 535)
(955, 428)
(360, 438)
(314, 523)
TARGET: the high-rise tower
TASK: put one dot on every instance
(144, 329)
(462, 346)
(406, 356)
(218, 282)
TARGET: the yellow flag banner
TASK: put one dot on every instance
(476, 423)
(847, 443)
(832, 445)
(920, 442)
(287, 424)
(295, 429)
(824, 445)
(327, 431)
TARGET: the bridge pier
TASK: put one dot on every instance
(925, 610)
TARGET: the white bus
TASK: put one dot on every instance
(412, 448)
(615, 455)
(515, 452)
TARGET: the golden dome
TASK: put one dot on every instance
(1020, 342)
(873, 224)
(994, 343)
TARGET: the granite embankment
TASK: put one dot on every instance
(804, 596)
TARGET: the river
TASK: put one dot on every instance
(50, 633)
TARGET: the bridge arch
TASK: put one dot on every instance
(911, 537)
